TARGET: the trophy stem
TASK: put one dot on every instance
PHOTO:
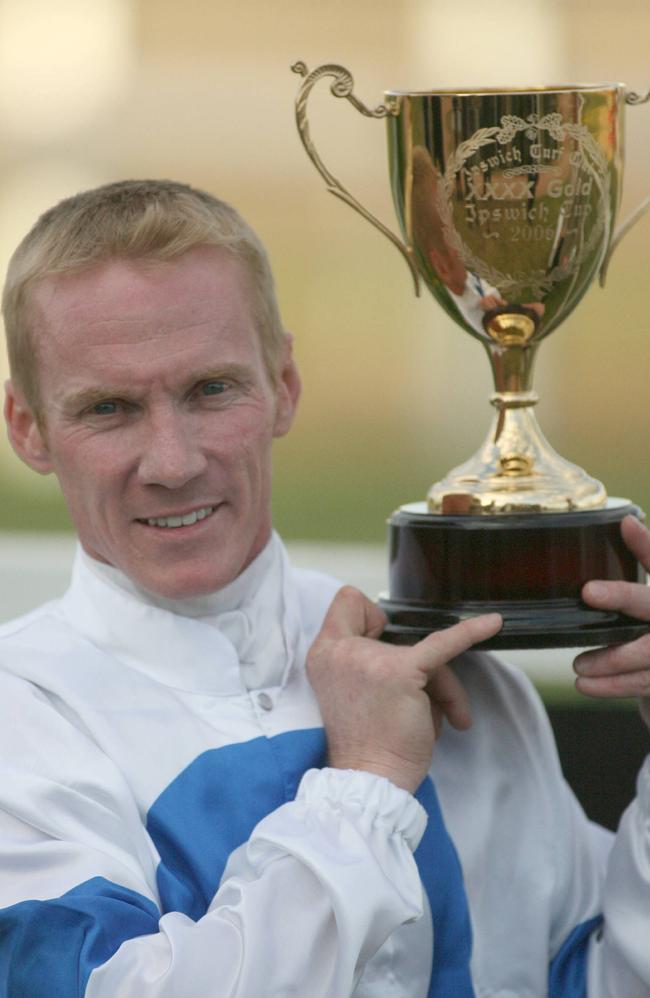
(512, 367)
(516, 470)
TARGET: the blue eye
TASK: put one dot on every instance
(214, 387)
(104, 409)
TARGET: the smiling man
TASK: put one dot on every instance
(158, 415)
(214, 780)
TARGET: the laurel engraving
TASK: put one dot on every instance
(588, 156)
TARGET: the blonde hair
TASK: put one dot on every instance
(154, 219)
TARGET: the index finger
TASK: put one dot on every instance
(442, 646)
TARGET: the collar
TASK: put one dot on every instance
(231, 597)
(244, 636)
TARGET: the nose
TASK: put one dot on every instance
(171, 454)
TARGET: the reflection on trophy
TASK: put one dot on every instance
(506, 203)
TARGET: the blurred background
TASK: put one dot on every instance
(395, 394)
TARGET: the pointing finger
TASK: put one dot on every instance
(442, 646)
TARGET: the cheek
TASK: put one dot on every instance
(89, 472)
(246, 474)
(247, 444)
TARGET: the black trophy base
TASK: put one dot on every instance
(529, 567)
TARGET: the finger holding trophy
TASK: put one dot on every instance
(507, 203)
(622, 670)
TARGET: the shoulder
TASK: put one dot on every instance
(32, 648)
(507, 762)
(43, 735)
(495, 682)
(37, 630)
(509, 718)
(40, 651)
(315, 591)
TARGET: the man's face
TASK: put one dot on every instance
(158, 416)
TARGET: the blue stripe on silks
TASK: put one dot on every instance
(213, 806)
(568, 971)
(48, 949)
(442, 876)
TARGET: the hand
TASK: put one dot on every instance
(383, 705)
(621, 670)
(488, 302)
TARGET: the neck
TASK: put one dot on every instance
(230, 597)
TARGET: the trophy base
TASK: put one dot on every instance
(528, 567)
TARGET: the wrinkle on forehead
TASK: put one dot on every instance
(132, 336)
(96, 326)
(131, 294)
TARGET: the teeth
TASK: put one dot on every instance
(181, 521)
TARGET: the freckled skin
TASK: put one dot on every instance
(157, 402)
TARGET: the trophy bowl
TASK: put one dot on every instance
(507, 203)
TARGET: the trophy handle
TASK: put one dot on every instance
(623, 229)
(342, 87)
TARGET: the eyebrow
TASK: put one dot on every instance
(88, 397)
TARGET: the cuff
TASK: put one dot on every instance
(374, 800)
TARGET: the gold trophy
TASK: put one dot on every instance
(506, 200)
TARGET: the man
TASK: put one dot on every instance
(183, 811)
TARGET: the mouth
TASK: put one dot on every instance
(175, 521)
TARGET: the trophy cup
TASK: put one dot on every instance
(506, 200)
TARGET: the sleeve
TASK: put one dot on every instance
(316, 890)
(598, 920)
(600, 937)
(619, 958)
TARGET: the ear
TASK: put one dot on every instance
(24, 433)
(288, 390)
